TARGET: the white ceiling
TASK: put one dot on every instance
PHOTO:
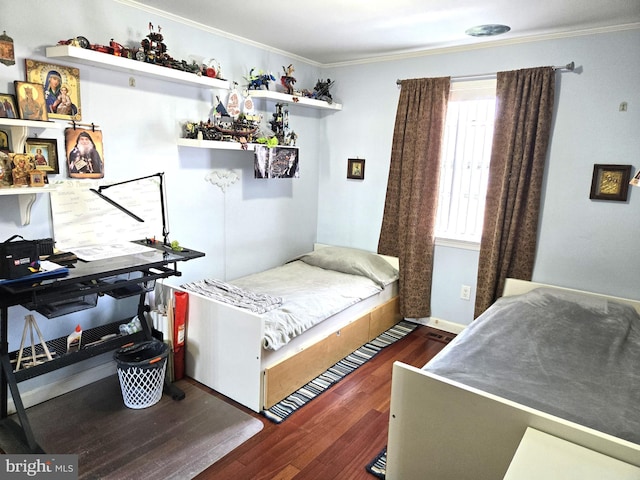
(328, 32)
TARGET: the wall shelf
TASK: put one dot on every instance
(26, 197)
(20, 130)
(294, 100)
(213, 144)
(112, 62)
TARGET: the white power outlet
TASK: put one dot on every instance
(465, 292)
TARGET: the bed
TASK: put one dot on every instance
(545, 370)
(231, 345)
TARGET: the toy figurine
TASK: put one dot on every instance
(287, 79)
(259, 81)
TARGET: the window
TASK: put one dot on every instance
(466, 153)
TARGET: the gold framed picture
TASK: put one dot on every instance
(8, 108)
(36, 178)
(61, 86)
(44, 152)
(31, 103)
(355, 168)
(610, 182)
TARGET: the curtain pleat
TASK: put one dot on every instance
(408, 223)
(524, 112)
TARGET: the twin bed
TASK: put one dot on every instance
(544, 384)
(259, 338)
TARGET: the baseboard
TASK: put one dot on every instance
(64, 385)
(440, 324)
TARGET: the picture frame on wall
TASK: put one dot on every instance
(45, 154)
(37, 178)
(355, 168)
(8, 107)
(31, 102)
(610, 182)
(61, 86)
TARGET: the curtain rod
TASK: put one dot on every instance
(569, 67)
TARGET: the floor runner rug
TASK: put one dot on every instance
(283, 409)
(378, 466)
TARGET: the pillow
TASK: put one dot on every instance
(354, 262)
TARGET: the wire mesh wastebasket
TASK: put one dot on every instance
(141, 370)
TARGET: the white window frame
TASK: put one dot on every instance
(453, 196)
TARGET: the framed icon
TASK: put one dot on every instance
(8, 108)
(36, 178)
(61, 86)
(31, 102)
(610, 182)
(355, 168)
(44, 152)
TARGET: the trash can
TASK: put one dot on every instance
(141, 370)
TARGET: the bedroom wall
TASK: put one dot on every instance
(255, 225)
(583, 243)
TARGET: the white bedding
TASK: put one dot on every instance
(298, 295)
(309, 295)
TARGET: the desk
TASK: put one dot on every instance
(132, 272)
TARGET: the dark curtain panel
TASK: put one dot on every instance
(524, 112)
(412, 190)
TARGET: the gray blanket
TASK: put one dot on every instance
(566, 354)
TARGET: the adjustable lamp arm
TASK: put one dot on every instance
(165, 230)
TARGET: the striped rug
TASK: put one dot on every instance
(298, 399)
(378, 467)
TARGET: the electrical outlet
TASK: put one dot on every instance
(465, 292)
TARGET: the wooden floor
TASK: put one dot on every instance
(337, 434)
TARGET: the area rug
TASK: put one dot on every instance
(378, 466)
(283, 409)
(169, 440)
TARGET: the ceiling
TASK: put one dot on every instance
(330, 32)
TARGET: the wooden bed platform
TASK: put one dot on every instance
(224, 346)
(452, 431)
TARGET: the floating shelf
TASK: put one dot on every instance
(113, 62)
(20, 130)
(292, 99)
(27, 195)
(189, 142)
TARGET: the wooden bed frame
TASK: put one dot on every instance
(224, 346)
(442, 429)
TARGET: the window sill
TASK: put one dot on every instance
(463, 244)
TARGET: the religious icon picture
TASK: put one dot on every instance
(61, 86)
(355, 168)
(8, 108)
(85, 158)
(44, 152)
(31, 103)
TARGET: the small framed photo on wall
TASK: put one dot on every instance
(44, 152)
(610, 182)
(355, 168)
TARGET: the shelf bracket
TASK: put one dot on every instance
(26, 201)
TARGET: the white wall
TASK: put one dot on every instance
(583, 243)
(257, 224)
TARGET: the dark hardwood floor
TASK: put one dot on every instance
(338, 433)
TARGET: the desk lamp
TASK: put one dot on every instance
(165, 230)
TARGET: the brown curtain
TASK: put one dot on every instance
(407, 230)
(524, 112)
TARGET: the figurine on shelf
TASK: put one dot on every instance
(259, 81)
(287, 80)
(154, 48)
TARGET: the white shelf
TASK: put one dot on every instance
(27, 195)
(213, 144)
(291, 99)
(112, 62)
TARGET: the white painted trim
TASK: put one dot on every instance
(440, 324)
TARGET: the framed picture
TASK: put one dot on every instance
(61, 86)
(84, 149)
(45, 154)
(36, 178)
(8, 108)
(355, 168)
(31, 103)
(610, 182)
(4, 141)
